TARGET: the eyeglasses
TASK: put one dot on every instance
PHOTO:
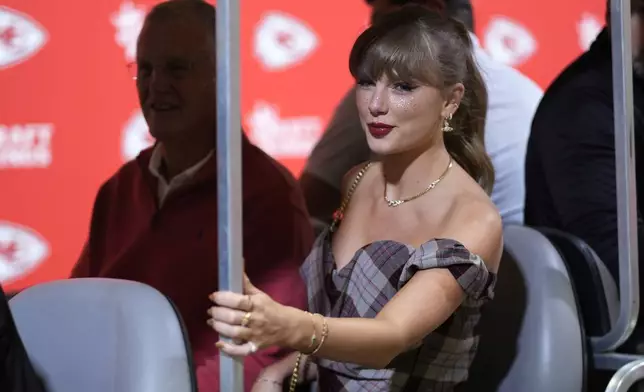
(175, 69)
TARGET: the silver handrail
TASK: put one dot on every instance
(625, 178)
(626, 377)
(229, 170)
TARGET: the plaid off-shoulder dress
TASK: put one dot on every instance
(364, 286)
(376, 272)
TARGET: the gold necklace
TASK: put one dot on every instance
(397, 202)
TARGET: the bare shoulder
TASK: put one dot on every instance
(475, 222)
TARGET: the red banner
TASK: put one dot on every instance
(69, 115)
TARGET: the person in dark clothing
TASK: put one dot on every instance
(17, 374)
(570, 162)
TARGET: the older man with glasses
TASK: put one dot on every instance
(155, 220)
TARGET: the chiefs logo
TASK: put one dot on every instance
(20, 37)
(21, 251)
(509, 42)
(281, 41)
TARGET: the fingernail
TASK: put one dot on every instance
(210, 322)
(219, 345)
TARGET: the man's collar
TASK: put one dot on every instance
(206, 174)
(156, 163)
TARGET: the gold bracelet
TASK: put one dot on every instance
(296, 369)
(325, 333)
(314, 336)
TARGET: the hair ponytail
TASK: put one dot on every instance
(466, 144)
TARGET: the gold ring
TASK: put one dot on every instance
(246, 319)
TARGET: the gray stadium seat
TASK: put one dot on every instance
(594, 285)
(104, 335)
(531, 335)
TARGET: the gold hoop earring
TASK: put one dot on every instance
(446, 126)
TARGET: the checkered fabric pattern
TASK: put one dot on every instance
(363, 287)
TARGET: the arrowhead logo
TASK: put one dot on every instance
(509, 42)
(282, 41)
(21, 37)
(21, 250)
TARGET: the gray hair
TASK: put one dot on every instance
(202, 11)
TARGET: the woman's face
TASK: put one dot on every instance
(399, 117)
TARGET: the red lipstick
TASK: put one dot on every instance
(379, 130)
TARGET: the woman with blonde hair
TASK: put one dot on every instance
(395, 286)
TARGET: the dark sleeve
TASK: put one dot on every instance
(83, 267)
(17, 373)
(322, 199)
(580, 169)
(277, 238)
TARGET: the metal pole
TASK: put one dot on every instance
(625, 178)
(229, 171)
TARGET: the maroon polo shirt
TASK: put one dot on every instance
(174, 248)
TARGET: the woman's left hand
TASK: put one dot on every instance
(253, 320)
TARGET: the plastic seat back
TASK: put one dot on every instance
(595, 287)
(531, 336)
(104, 335)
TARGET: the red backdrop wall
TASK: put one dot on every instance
(69, 115)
